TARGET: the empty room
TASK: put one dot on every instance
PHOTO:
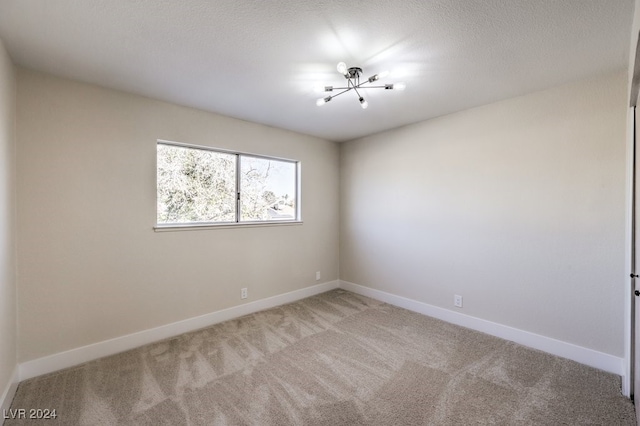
(319, 212)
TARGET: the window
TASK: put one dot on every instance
(202, 186)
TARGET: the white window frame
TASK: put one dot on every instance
(216, 225)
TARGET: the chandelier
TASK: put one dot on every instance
(353, 83)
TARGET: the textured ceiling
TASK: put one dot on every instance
(260, 60)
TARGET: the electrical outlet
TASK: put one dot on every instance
(243, 293)
(318, 276)
(457, 301)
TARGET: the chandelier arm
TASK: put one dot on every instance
(357, 93)
(359, 87)
(355, 87)
(372, 87)
(338, 94)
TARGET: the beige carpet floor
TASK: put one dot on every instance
(332, 359)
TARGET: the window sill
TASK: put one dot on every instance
(208, 226)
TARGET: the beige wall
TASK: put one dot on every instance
(8, 328)
(91, 266)
(518, 206)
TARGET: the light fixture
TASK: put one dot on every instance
(342, 68)
(323, 101)
(353, 83)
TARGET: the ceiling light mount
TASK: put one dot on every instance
(352, 74)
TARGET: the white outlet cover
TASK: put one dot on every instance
(457, 301)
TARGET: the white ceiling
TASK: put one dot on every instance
(260, 60)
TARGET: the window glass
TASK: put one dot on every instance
(268, 189)
(197, 185)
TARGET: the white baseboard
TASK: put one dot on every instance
(94, 351)
(9, 392)
(77, 356)
(590, 357)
